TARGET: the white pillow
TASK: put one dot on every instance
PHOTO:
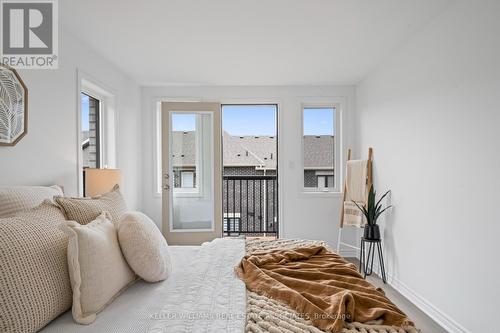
(144, 247)
(97, 269)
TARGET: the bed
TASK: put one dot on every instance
(201, 295)
(204, 295)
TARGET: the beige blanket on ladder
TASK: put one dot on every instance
(356, 187)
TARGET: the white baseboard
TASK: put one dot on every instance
(420, 302)
(349, 253)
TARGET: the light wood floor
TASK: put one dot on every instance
(421, 320)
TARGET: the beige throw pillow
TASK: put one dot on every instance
(16, 199)
(85, 210)
(144, 247)
(34, 280)
(97, 269)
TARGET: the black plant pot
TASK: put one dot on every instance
(372, 232)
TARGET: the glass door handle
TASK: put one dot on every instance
(166, 187)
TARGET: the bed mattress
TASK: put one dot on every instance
(203, 294)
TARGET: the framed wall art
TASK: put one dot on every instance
(13, 107)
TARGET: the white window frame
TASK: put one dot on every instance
(108, 122)
(337, 157)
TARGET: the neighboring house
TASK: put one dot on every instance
(90, 142)
(89, 151)
(254, 155)
(249, 155)
(184, 159)
(318, 161)
(85, 149)
(250, 202)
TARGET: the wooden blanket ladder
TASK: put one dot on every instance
(369, 182)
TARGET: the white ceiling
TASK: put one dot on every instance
(252, 42)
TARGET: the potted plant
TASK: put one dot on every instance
(372, 212)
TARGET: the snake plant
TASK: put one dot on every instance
(373, 210)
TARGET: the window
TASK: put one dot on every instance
(319, 126)
(185, 150)
(190, 162)
(187, 179)
(90, 131)
(322, 183)
(96, 135)
(325, 182)
(232, 221)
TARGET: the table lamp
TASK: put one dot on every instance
(100, 181)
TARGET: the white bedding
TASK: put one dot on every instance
(203, 294)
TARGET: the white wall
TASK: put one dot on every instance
(303, 215)
(431, 112)
(48, 154)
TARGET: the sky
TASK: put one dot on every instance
(241, 120)
(319, 121)
(260, 120)
(85, 112)
(183, 122)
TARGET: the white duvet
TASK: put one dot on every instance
(203, 294)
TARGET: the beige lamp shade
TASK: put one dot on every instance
(100, 181)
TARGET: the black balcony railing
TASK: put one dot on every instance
(250, 205)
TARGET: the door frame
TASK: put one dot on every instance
(191, 237)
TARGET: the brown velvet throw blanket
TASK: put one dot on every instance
(319, 285)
